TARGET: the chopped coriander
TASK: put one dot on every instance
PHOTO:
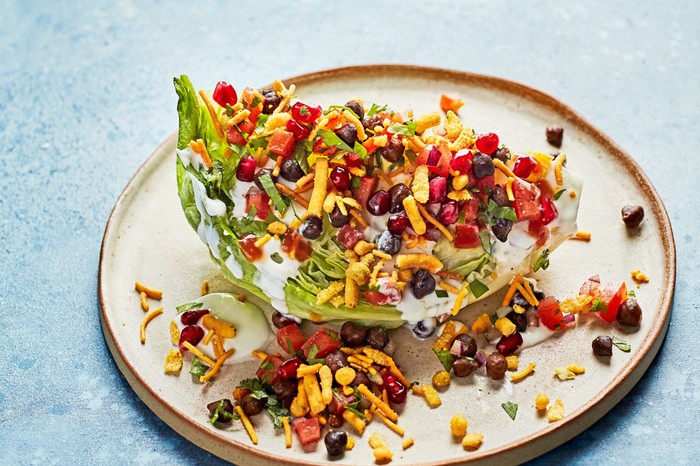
(267, 365)
(558, 194)
(376, 109)
(221, 415)
(446, 358)
(269, 187)
(290, 346)
(355, 182)
(496, 211)
(276, 257)
(477, 288)
(198, 369)
(304, 110)
(407, 129)
(256, 101)
(441, 293)
(631, 294)
(252, 212)
(188, 307)
(229, 110)
(486, 242)
(510, 408)
(493, 318)
(332, 140)
(340, 107)
(622, 345)
(276, 411)
(312, 352)
(360, 150)
(255, 386)
(542, 261)
(599, 306)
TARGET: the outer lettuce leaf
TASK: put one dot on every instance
(462, 261)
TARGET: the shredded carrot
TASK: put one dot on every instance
(288, 192)
(149, 317)
(198, 353)
(358, 216)
(528, 288)
(450, 275)
(305, 179)
(150, 292)
(511, 290)
(287, 432)
(504, 168)
(394, 370)
(582, 236)
(426, 215)
(381, 405)
(212, 113)
(460, 297)
(525, 294)
(447, 287)
(217, 366)
(246, 423)
(208, 337)
(199, 147)
(278, 165)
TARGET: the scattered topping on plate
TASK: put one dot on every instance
(639, 276)
(632, 215)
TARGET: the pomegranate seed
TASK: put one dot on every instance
(487, 143)
(449, 213)
(397, 223)
(395, 389)
(438, 189)
(348, 236)
(352, 160)
(288, 369)
(224, 93)
(192, 334)
(378, 203)
(524, 166)
(192, 317)
(462, 161)
(305, 113)
(297, 129)
(246, 168)
(340, 177)
(510, 344)
(434, 155)
(549, 211)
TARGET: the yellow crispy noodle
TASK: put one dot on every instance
(505, 326)
(421, 261)
(460, 297)
(575, 304)
(448, 333)
(313, 392)
(523, 373)
(482, 323)
(414, 215)
(465, 140)
(205, 288)
(431, 396)
(318, 195)
(247, 425)
(144, 323)
(421, 185)
(144, 302)
(458, 425)
(300, 403)
(576, 369)
(564, 374)
(326, 384)
(472, 441)
(427, 121)
(150, 292)
(174, 333)
(355, 421)
(173, 362)
(380, 448)
(408, 443)
(287, 432)
(453, 126)
(512, 362)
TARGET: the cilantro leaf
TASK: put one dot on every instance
(221, 415)
(256, 388)
(332, 140)
(477, 288)
(441, 293)
(360, 150)
(376, 109)
(497, 211)
(446, 358)
(188, 307)
(542, 261)
(301, 152)
(558, 194)
(486, 242)
(276, 257)
(632, 294)
(599, 306)
(313, 352)
(276, 411)
(198, 369)
(406, 129)
(622, 345)
(510, 408)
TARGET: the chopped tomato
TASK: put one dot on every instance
(337, 406)
(442, 167)
(467, 236)
(308, 430)
(376, 298)
(526, 210)
(290, 336)
(281, 143)
(550, 314)
(234, 136)
(246, 127)
(250, 250)
(471, 210)
(368, 185)
(267, 372)
(612, 295)
(485, 185)
(325, 340)
(538, 231)
(248, 98)
(450, 102)
(524, 190)
(349, 236)
(260, 200)
(369, 145)
(352, 160)
(296, 246)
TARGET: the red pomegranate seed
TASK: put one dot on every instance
(487, 143)
(224, 93)
(246, 168)
(305, 113)
(352, 160)
(395, 389)
(340, 176)
(348, 236)
(288, 369)
(510, 344)
(548, 210)
(433, 156)
(524, 166)
(378, 203)
(438, 189)
(449, 213)
(397, 223)
(192, 334)
(462, 161)
(192, 317)
(297, 129)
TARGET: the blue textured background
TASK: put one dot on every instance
(86, 94)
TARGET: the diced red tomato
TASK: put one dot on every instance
(250, 250)
(524, 190)
(471, 210)
(290, 335)
(267, 372)
(368, 185)
(375, 298)
(260, 200)
(550, 314)
(526, 210)
(281, 143)
(234, 136)
(296, 246)
(246, 127)
(467, 236)
(538, 231)
(613, 295)
(325, 340)
(349, 236)
(352, 160)
(337, 406)
(249, 97)
(485, 185)
(308, 430)
(442, 167)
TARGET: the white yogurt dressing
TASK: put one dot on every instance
(272, 277)
(207, 208)
(189, 157)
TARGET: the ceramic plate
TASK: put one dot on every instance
(148, 239)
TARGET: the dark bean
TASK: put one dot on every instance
(336, 441)
(632, 215)
(499, 196)
(397, 194)
(263, 172)
(336, 360)
(422, 283)
(280, 320)
(496, 366)
(357, 108)
(226, 406)
(377, 338)
(284, 388)
(501, 229)
(252, 406)
(519, 320)
(389, 243)
(311, 228)
(463, 367)
(352, 334)
(291, 170)
(602, 345)
(532, 317)
(372, 122)
(271, 102)
(501, 154)
(629, 313)
(360, 379)
(424, 328)
(555, 135)
(393, 151)
(538, 294)
(468, 342)
(482, 166)
(348, 134)
(335, 421)
(519, 299)
(337, 218)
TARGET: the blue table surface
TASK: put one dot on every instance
(86, 94)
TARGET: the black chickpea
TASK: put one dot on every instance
(496, 366)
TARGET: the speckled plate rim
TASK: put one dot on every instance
(536, 444)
